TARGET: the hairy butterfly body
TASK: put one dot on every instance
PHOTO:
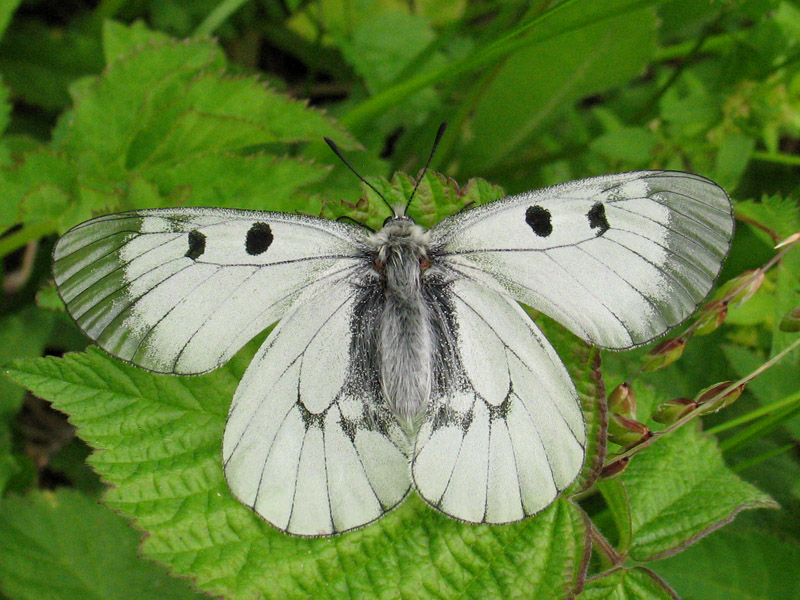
(401, 357)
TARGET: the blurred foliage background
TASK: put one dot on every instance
(104, 108)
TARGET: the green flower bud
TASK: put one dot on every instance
(622, 401)
(626, 431)
(673, 410)
(663, 354)
(709, 393)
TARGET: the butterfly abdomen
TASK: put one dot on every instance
(405, 338)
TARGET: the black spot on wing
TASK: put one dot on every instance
(259, 238)
(597, 218)
(538, 218)
(197, 245)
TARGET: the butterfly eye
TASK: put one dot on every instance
(387, 219)
(424, 263)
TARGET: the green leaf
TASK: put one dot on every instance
(383, 44)
(161, 439)
(119, 39)
(64, 545)
(631, 145)
(437, 197)
(781, 215)
(22, 334)
(563, 19)
(637, 583)
(164, 125)
(693, 493)
(618, 503)
(36, 189)
(110, 113)
(732, 159)
(539, 82)
(255, 182)
(40, 73)
(7, 9)
(757, 566)
(779, 382)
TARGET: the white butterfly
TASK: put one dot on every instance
(402, 357)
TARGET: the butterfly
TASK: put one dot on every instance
(401, 358)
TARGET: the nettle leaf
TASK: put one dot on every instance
(256, 182)
(437, 197)
(679, 490)
(637, 583)
(110, 113)
(38, 188)
(64, 545)
(119, 39)
(757, 565)
(161, 438)
(165, 125)
(781, 215)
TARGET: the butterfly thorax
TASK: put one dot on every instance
(401, 260)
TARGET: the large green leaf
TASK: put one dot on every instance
(757, 566)
(160, 438)
(541, 81)
(64, 545)
(679, 489)
(637, 583)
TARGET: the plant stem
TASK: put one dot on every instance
(217, 17)
(703, 408)
(778, 158)
(792, 400)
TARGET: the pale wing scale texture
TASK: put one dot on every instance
(310, 443)
(617, 259)
(181, 290)
(506, 435)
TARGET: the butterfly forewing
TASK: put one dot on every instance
(181, 290)
(617, 259)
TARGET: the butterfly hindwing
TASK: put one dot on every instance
(310, 443)
(181, 290)
(504, 434)
(617, 259)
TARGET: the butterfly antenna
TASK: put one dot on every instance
(436, 141)
(338, 153)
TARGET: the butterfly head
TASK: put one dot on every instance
(402, 237)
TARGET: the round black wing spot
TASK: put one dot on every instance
(197, 244)
(259, 238)
(538, 218)
(597, 219)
